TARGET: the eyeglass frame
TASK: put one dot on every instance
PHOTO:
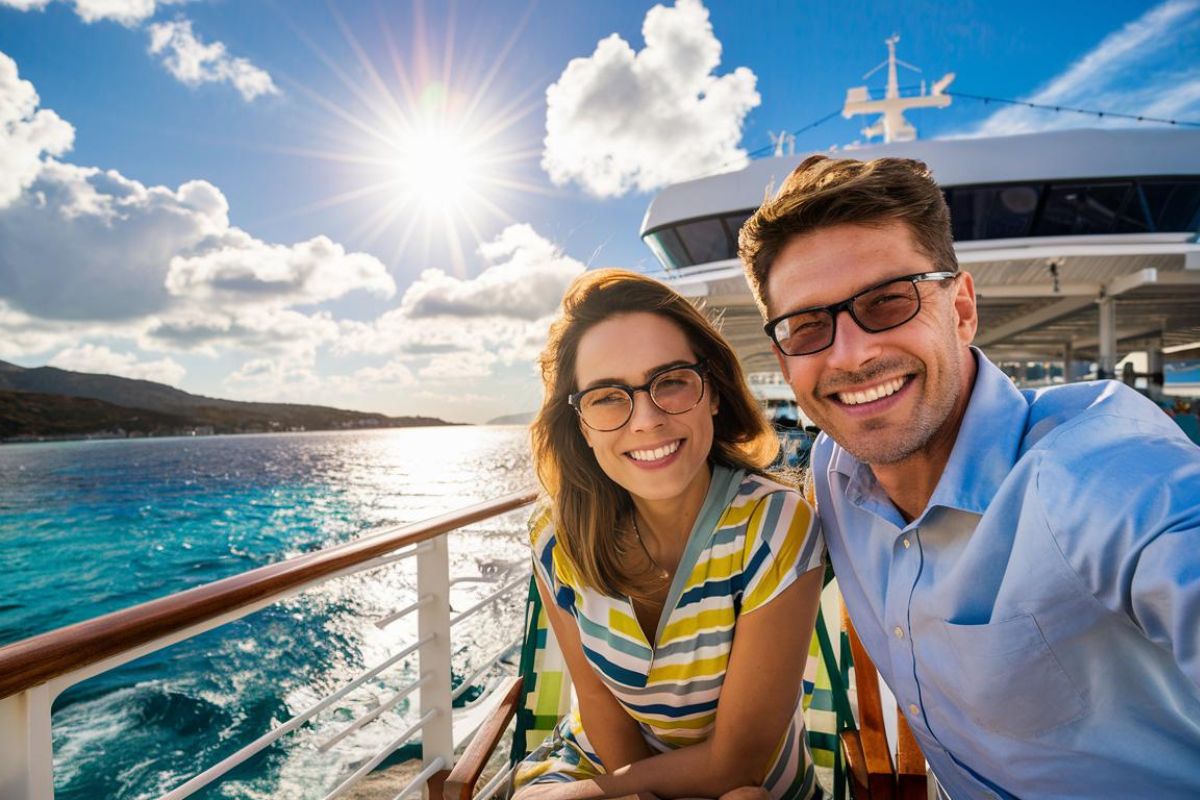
(847, 305)
(700, 368)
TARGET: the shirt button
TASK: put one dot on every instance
(899, 633)
(907, 543)
(912, 709)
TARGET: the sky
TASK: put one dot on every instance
(377, 205)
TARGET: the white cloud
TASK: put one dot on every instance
(185, 56)
(82, 243)
(282, 332)
(525, 280)
(247, 271)
(269, 378)
(193, 62)
(455, 330)
(394, 373)
(1125, 73)
(126, 12)
(26, 133)
(620, 119)
(100, 359)
(459, 366)
(86, 252)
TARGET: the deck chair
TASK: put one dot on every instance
(540, 695)
(871, 771)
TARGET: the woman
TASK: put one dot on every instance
(660, 538)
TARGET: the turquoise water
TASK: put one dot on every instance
(91, 527)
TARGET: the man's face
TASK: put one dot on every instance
(882, 396)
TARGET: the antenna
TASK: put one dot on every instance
(891, 124)
(784, 142)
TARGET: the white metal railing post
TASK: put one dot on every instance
(433, 580)
(26, 749)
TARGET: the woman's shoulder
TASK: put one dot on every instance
(541, 526)
(768, 501)
(755, 486)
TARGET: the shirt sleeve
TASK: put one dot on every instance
(1132, 532)
(542, 541)
(783, 541)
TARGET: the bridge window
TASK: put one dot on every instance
(706, 240)
(992, 211)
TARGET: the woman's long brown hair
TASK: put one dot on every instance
(589, 509)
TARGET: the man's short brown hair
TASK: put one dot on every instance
(824, 191)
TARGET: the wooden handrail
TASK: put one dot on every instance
(38, 659)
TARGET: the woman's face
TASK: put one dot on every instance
(655, 456)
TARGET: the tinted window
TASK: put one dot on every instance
(992, 212)
(1083, 209)
(1172, 205)
(706, 240)
(666, 242)
(734, 223)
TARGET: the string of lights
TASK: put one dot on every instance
(1070, 109)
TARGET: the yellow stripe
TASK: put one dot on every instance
(677, 673)
(625, 624)
(738, 513)
(537, 524)
(693, 723)
(689, 626)
(715, 568)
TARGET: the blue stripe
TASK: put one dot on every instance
(713, 588)
(677, 712)
(756, 561)
(617, 673)
(613, 639)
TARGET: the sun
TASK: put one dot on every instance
(441, 167)
(431, 153)
(434, 170)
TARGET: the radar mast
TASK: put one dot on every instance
(892, 125)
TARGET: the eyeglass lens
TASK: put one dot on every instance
(878, 310)
(607, 408)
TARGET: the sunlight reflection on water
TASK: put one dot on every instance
(88, 528)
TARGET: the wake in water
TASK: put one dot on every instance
(140, 519)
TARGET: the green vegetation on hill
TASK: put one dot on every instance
(49, 402)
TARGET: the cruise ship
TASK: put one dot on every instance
(1082, 243)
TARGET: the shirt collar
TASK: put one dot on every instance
(985, 450)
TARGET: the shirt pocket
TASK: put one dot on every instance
(1009, 680)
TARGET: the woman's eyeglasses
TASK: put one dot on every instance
(881, 307)
(609, 406)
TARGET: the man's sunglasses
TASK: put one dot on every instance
(879, 308)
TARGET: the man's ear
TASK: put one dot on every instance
(966, 314)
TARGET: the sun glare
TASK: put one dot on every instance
(436, 169)
(439, 148)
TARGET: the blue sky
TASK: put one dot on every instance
(376, 205)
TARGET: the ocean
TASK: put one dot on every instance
(92, 527)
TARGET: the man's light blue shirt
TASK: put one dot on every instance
(1039, 622)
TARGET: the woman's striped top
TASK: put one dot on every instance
(752, 539)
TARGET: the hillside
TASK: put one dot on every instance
(46, 401)
(523, 418)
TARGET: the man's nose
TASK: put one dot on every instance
(852, 346)
(646, 414)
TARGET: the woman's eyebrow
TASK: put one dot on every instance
(679, 362)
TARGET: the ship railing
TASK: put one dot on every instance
(35, 671)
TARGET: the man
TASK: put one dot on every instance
(1022, 566)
